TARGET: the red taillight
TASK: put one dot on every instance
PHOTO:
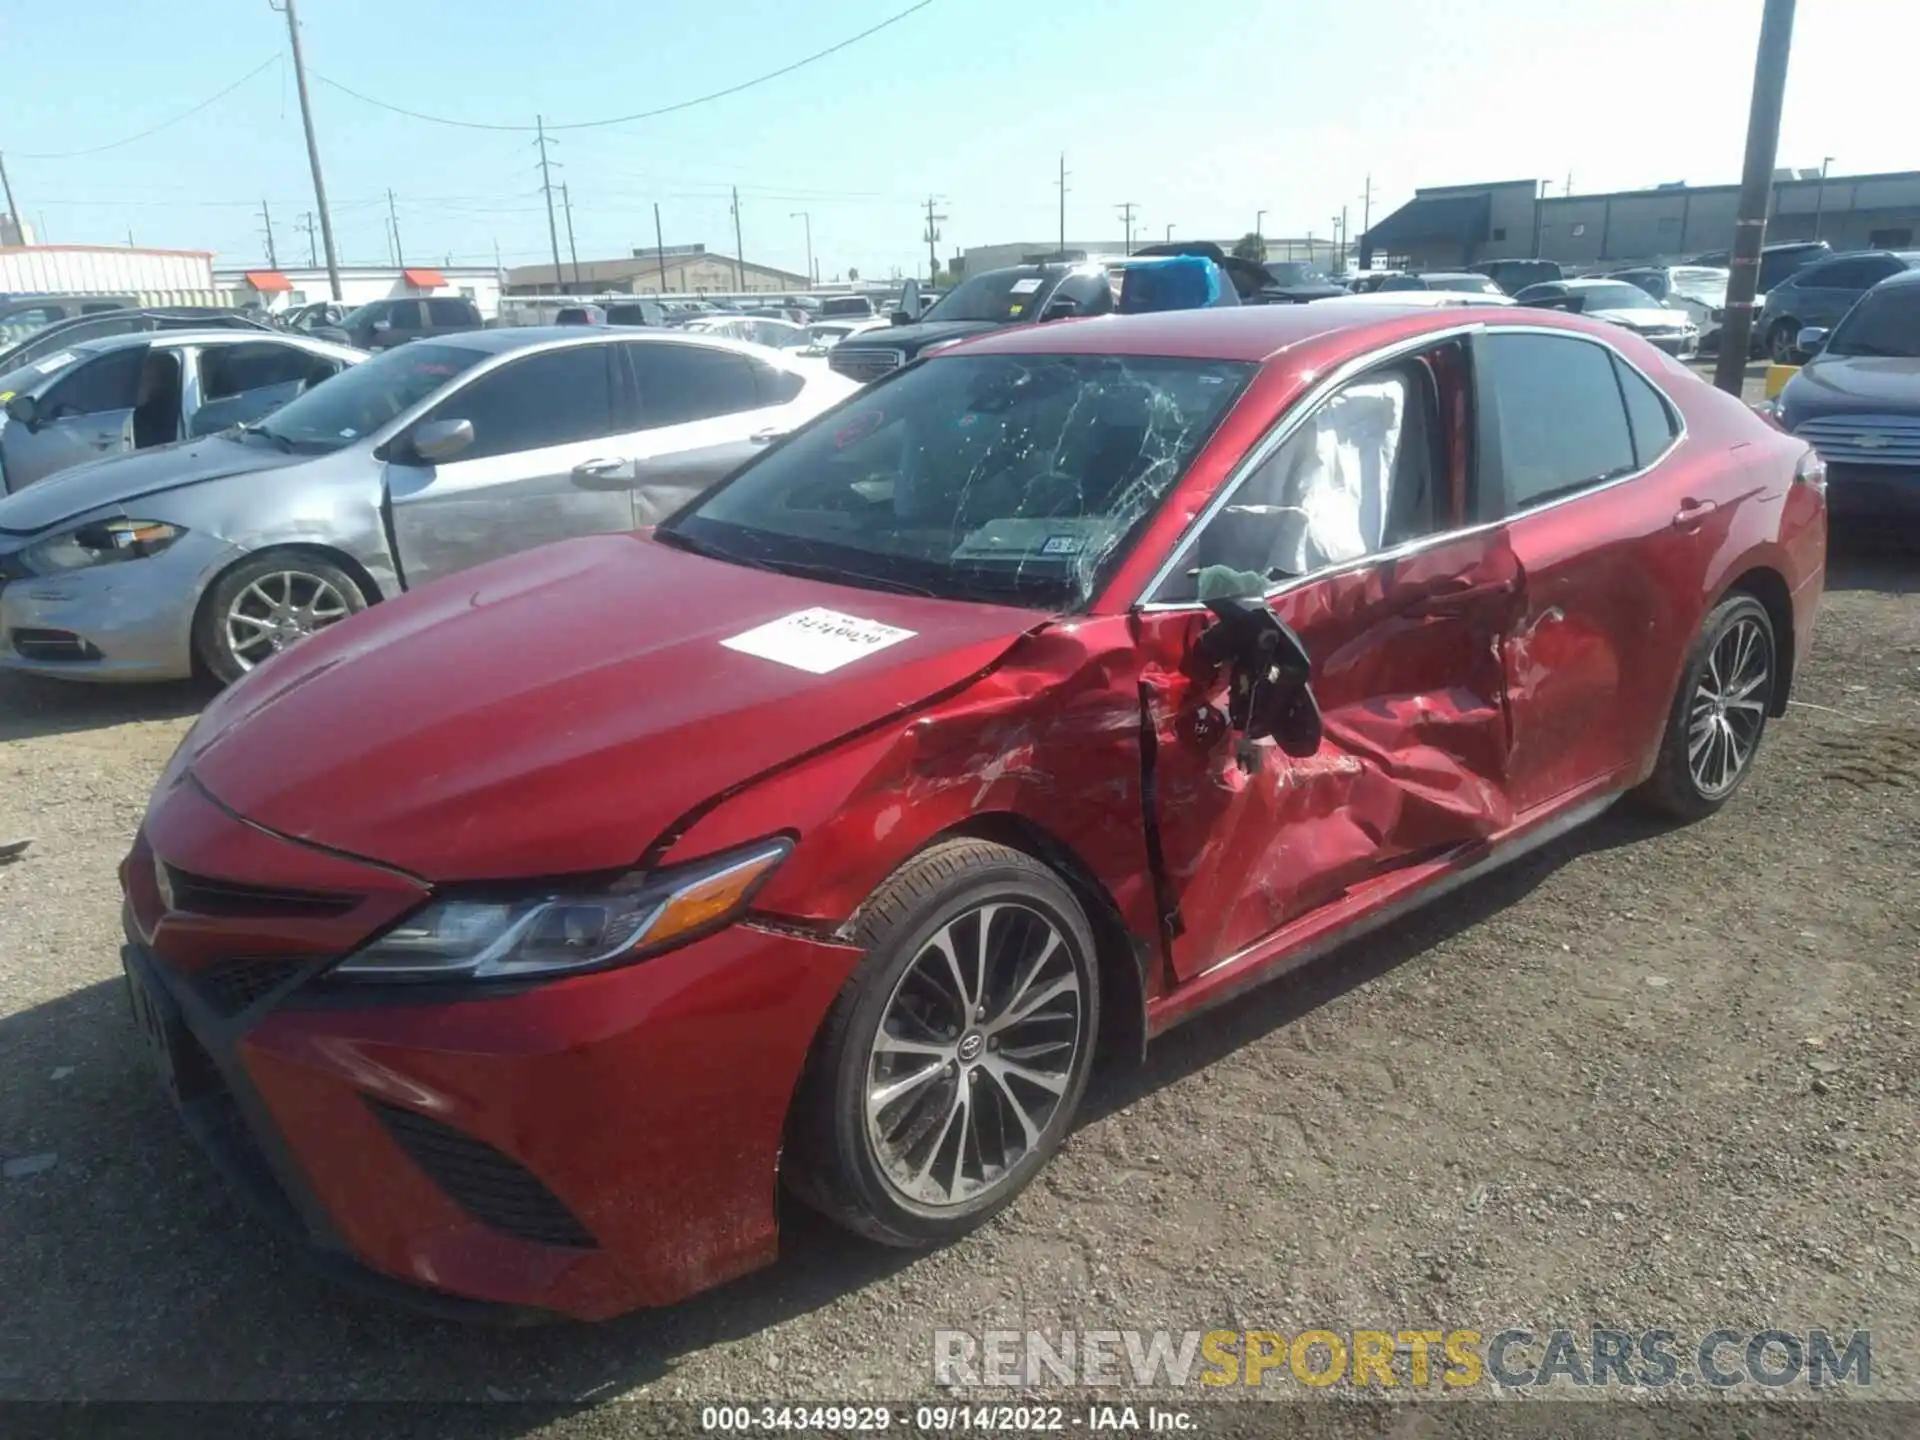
(1811, 472)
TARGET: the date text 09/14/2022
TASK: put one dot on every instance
(943, 1419)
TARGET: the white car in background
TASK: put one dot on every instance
(754, 329)
(1619, 303)
(823, 335)
(1700, 290)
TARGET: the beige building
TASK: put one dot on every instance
(678, 270)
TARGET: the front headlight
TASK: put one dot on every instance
(556, 930)
(99, 542)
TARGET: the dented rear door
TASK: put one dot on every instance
(1409, 674)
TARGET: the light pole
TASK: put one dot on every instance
(1169, 234)
(807, 218)
(1820, 195)
(1259, 235)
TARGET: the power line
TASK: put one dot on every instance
(273, 59)
(643, 114)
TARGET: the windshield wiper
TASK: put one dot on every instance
(815, 570)
(272, 437)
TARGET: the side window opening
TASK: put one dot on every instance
(1371, 468)
(1553, 413)
(1649, 420)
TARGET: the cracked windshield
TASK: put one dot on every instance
(994, 477)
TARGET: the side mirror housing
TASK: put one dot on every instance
(1060, 309)
(382, 326)
(438, 441)
(22, 410)
(1269, 693)
(1811, 340)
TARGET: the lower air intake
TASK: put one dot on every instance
(489, 1186)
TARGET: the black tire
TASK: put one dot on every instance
(308, 574)
(831, 1161)
(1781, 342)
(1676, 788)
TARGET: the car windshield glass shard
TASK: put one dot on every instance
(1884, 323)
(1001, 477)
(1000, 296)
(357, 402)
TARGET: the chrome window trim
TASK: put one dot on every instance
(1298, 413)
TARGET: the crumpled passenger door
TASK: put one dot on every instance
(1408, 671)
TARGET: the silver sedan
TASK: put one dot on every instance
(136, 391)
(410, 466)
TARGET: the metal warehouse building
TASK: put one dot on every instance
(1447, 226)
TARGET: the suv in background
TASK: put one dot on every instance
(636, 312)
(1820, 294)
(841, 306)
(62, 333)
(1777, 262)
(382, 324)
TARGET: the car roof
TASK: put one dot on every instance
(1586, 282)
(1250, 332)
(523, 337)
(1902, 277)
(1452, 275)
(237, 335)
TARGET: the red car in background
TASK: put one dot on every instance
(515, 941)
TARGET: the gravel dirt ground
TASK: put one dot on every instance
(1648, 1077)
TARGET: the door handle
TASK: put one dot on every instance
(1692, 512)
(603, 474)
(763, 437)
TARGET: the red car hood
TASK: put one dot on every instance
(556, 711)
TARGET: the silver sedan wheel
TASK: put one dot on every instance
(280, 610)
(1729, 707)
(975, 1049)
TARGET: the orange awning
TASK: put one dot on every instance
(425, 279)
(268, 281)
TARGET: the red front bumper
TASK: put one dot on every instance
(646, 1103)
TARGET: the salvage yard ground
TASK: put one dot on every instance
(1650, 1077)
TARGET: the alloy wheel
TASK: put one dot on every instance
(1729, 707)
(280, 610)
(975, 1049)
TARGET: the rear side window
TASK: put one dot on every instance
(681, 383)
(1648, 418)
(451, 312)
(554, 398)
(1558, 418)
(1848, 274)
(227, 370)
(111, 382)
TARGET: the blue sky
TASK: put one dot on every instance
(1199, 115)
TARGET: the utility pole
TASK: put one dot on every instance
(739, 247)
(13, 207)
(932, 237)
(1756, 187)
(573, 253)
(273, 260)
(1340, 248)
(1169, 234)
(313, 145)
(660, 247)
(1259, 234)
(1126, 209)
(393, 216)
(306, 228)
(807, 218)
(546, 187)
(1063, 204)
(1366, 222)
(1820, 195)
(1568, 192)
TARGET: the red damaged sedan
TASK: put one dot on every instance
(515, 942)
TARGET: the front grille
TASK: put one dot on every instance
(233, 985)
(201, 895)
(489, 1186)
(52, 645)
(1864, 439)
(864, 362)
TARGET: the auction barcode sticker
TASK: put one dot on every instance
(817, 640)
